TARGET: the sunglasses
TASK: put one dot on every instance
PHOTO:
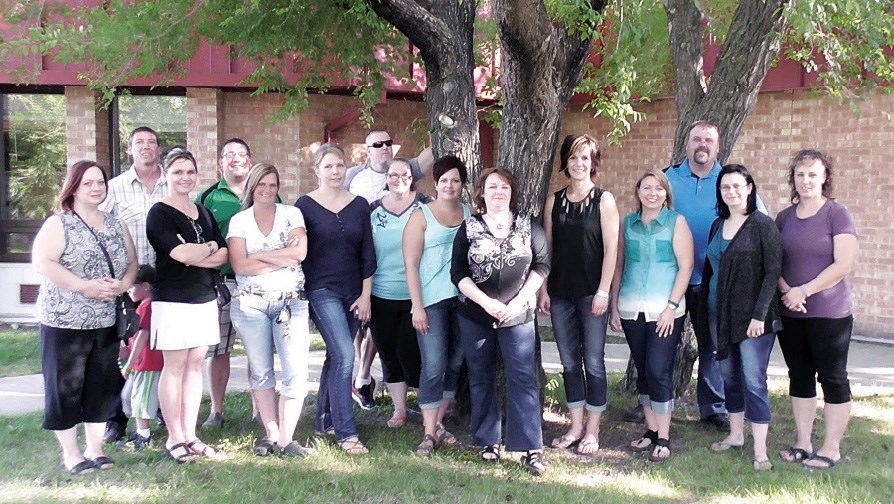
(383, 143)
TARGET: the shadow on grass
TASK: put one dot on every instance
(30, 468)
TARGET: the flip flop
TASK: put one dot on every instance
(395, 422)
(659, 444)
(82, 467)
(587, 447)
(826, 460)
(796, 455)
(650, 436)
(565, 442)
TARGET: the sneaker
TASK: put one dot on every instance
(215, 420)
(134, 442)
(364, 395)
(114, 432)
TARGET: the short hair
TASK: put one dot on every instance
(444, 164)
(703, 123)
(235, 140)
(393, 161)
(574, 142)
(478, 196)
(177, 153)
(751, 204)
(146, 273)
(258, 171)
(662, 180)
(328, 148)
(804, 156)
(141, 129)
(73, 177)
(373, 132)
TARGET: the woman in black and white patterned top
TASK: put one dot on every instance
(79, 350)
(499, 261)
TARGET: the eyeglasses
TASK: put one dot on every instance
(198, 229)
(383, 143)
(733, 187)
(397, 176)
(230, 155)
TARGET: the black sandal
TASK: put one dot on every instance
(659, 445)
(491, 453)
(180, 459)
(533, 462)
(651, 436)
(264, 447)
(82, 467)
(199, 447)
(102, 462)
(796, 455)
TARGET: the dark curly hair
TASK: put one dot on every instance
(805, 156)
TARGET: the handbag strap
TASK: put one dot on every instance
(98, 242)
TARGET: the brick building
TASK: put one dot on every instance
(787, 117)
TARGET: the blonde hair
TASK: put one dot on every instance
(662, 179)
(258, 172)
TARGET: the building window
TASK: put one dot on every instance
(164, 114)
(33, 167)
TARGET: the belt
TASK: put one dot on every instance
(229, 276)
(276, 295)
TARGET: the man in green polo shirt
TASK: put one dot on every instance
(222, 198)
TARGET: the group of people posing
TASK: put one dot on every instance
(439, 283)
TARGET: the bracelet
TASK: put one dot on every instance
(601, 293)
(803, 291)
(672, 304)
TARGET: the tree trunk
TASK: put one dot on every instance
(542, 63)
(750, 47)
(443, 32)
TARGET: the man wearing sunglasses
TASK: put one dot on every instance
(368, 180)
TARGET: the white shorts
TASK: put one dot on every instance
(178, 326)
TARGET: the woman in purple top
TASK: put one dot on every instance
(338, 274)
(819, 243)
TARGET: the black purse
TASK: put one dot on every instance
(220, 288)
(127, 322)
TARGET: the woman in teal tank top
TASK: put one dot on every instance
(427, 249)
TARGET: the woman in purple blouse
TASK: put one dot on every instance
(819, 245)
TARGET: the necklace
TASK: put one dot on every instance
(492, 221)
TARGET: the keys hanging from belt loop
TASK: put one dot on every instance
(284, 319)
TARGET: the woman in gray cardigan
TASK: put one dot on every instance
(740, 308)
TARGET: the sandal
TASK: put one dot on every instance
(794, 455)
(829, 463)
(587, 447)
(427, 447)
(180, 459)
(264, 447)
(294, 449)
(533, 463)
(491, 453)
(102, 462)
(762, 465)
(660, 445)
(443, 436)
(353, 446)
(395, 422)
(650, 436)
(199, 447)
(82, 467)
(565, 442)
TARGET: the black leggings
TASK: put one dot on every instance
(392, 330)
(82, 382)
(815, 349)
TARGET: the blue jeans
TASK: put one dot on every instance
(745, 377)
(653, 357)
(523, 410)
(337, 325)
(709, 387)
(441, 355)
(580, 338)
(255, 320)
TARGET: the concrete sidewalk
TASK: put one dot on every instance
(870, 366)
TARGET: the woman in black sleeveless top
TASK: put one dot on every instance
(576, 292)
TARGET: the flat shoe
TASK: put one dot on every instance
(795, 455)
(82, 467)
(762, 465)
(825, 460)
(264, 447)
(565, 442)
(533, 463)
(722, 446)
(294, 449)
(103, 462)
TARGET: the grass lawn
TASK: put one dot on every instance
(30, 465)
(19, 352)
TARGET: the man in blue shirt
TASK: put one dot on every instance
(694, 185)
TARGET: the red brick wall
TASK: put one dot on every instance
(781, 124)
(86, 127)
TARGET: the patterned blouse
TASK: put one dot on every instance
(66, 309)
(498, 267)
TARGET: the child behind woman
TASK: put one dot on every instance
(140, 394)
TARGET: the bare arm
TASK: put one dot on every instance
(615, 317)
(191, 254)
(361, 306)
(244, 263)
(139, 342)
(543, 301)
(412, 246)
(684, 252)
(426, 160)
(608, 220)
